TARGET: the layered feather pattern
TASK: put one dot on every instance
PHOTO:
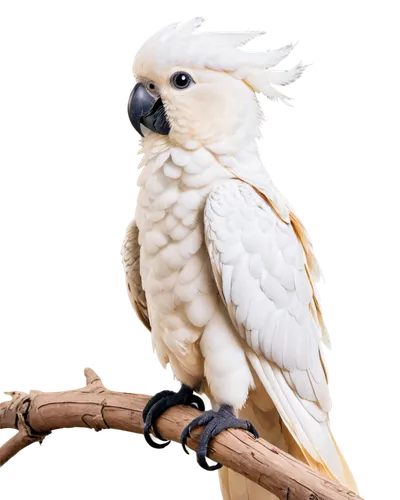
(260, 266)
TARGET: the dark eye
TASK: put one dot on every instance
(151, 87)
(181, 80)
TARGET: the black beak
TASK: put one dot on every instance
(145, 109)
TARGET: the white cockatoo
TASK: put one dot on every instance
(217, 265)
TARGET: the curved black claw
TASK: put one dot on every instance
(215, 422)
(159, 403)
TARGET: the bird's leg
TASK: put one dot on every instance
(214, 422)
(159, 403)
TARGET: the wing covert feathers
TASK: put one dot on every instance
(264, 269)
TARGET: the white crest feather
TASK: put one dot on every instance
(263, 81)
(285, 77)
(262, 60)
(179, 45)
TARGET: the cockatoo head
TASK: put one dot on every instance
(199, 89)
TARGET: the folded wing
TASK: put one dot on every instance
(260, 268)
(130, 252)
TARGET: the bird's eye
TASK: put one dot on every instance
(181, 80)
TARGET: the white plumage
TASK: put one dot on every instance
(271, 311)
(217, 265)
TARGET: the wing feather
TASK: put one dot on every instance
(264, 270)
(130, 252)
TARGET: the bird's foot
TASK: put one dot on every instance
(159, 403)
(215, 422)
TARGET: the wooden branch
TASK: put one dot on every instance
(95, 407)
